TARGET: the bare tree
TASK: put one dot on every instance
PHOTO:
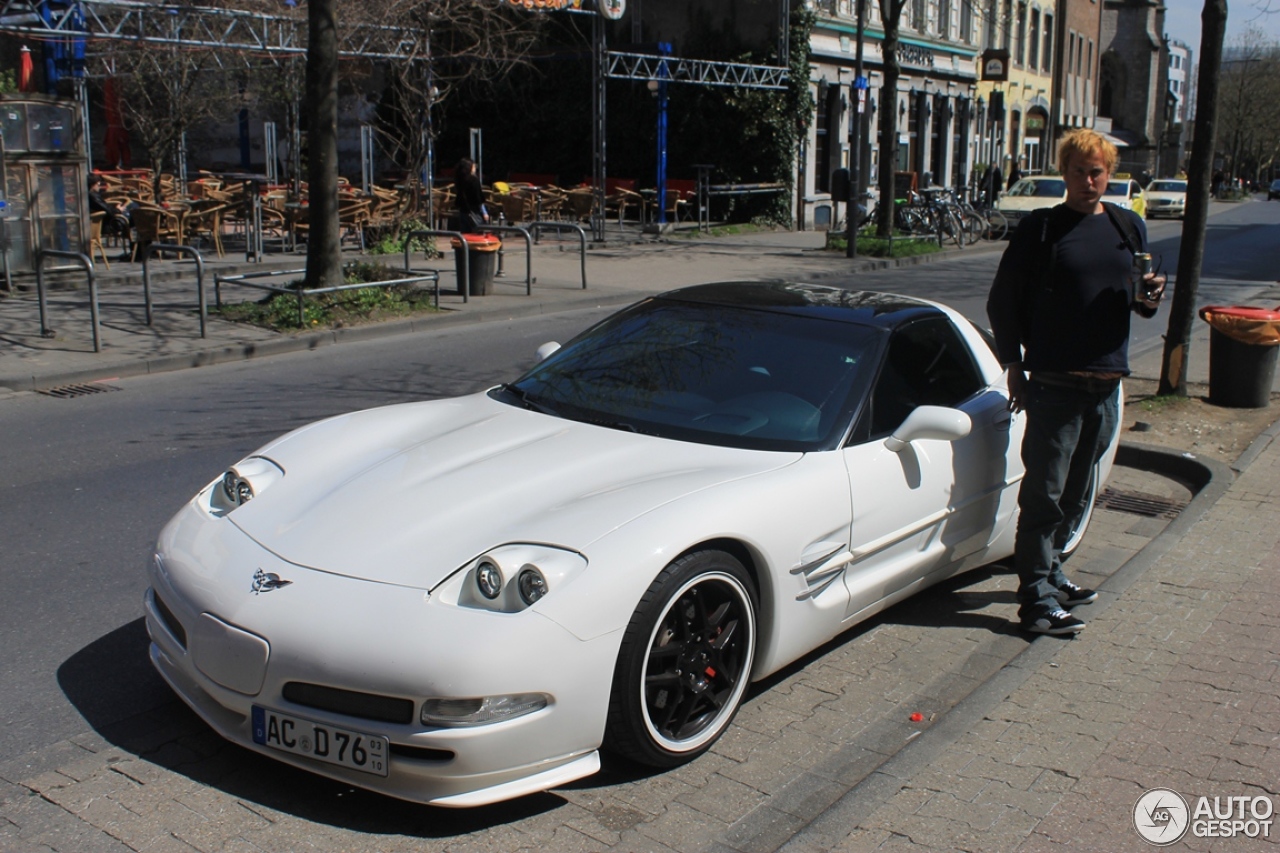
(324, 249)
(1177, 342)
(467, 40)
(164, 91)
(1247, 104)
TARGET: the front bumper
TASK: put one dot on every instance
(380, 639)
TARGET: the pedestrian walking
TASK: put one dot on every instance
(1060, 307)
(470, 197)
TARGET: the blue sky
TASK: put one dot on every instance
(1182, 20)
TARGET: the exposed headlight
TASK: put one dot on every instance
(481, 710)
(489, 580)
(243, 482)
(510, 578)
(532, 585)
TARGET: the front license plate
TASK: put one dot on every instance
(354, 750)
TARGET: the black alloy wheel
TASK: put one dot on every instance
(685, 661)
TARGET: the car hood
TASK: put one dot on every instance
(1026, 203)
(409, 493)
(1169, 196)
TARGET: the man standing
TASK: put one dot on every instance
(1059, 310)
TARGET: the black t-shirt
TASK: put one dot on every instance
(1066, 277)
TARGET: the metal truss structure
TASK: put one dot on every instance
(192, 26)
(640, 66)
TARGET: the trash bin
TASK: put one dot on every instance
(481, 263)
(1243, 345)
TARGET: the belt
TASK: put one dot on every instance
(1094, 384)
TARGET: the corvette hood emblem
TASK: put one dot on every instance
(267, 581)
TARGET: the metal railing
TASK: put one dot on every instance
(522, 231)
(149, 250)
(87, 263)
(706, 191)
(244, 280)
(463, 277)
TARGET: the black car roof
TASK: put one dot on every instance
(868, 308)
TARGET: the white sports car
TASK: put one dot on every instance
(462, 601)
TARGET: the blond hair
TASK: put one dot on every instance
(1087, 143)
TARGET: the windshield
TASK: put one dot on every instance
(1167, 187)
(1044, 189)
(715, 374)
(1120, 188)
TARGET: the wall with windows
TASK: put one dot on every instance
(935, 98)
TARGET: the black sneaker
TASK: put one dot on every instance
(1069, 595)
(1057, 622)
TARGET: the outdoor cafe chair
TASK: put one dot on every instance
(582, 202)
(205, 221)
(95, 236)
(154, 225)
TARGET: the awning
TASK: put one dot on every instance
(1118, 138)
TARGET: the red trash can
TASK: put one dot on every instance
(481, 263)
(1243, 345)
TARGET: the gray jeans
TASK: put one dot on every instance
(1067, 431)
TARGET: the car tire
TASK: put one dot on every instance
(1081, 526)
(685, 661)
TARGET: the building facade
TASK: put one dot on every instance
(1075, 78)
(1018, 129)
(935, 98)
(1176, 139)
(1132, 80)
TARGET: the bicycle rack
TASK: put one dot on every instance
(87, 263)
(582, 240)
(150, 250)
(466, 256)
(528, 252)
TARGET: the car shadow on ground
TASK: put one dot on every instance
(113, 686)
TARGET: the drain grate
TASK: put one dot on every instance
(1139, 503)
(66, 392)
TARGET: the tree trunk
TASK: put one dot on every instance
(891, 14)
(1177, 342)
(324, 256)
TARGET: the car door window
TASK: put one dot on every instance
(927, 364)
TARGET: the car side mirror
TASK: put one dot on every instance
(936, 422)
(547, 350)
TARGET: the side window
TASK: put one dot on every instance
(927, 364)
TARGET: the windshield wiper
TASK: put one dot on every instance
(525, 400)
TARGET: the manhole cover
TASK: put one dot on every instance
(1139, 503)
(66, 392)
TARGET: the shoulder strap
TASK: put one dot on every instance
(1124, 225)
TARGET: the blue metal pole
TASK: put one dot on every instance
(665, 49)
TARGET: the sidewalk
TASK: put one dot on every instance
(1174, 684)
(29, 361)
